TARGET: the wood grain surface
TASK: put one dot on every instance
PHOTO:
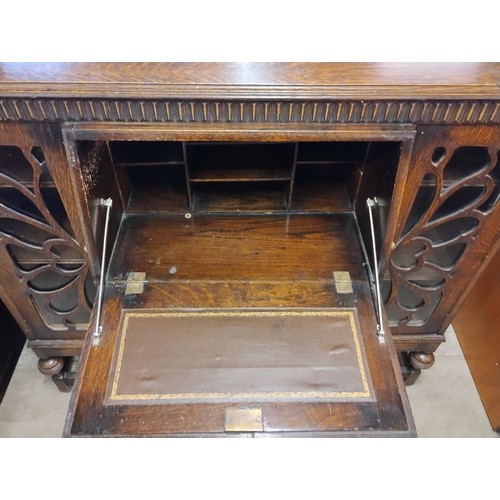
(362, 80)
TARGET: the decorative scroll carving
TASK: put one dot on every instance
(36, 235)
(457, 193)
(210, 111)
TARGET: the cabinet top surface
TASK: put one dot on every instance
(266, 80)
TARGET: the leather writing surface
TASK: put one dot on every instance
(182, 356)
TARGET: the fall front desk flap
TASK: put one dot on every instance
(179, 356)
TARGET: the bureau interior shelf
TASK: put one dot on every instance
(237, 174)
(236, 162)
(222, 177)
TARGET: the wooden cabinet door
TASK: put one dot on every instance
(44, 278)
(449, 221)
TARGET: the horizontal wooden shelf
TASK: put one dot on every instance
(239, 175)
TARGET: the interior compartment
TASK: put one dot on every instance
(239, 162)
(245, 178)
(237, 249)
(220, 177)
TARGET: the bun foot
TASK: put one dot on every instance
(51, 366)
(421, 360)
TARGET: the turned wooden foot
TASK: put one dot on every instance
(412, 363)
(421, 360)
(51, 366)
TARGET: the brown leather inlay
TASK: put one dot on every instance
(166, 356)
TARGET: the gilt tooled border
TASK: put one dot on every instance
(114, 396)
(249, 111)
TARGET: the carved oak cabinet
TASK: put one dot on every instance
(254, 248)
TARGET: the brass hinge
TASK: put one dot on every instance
(135, 283)
(343, 283)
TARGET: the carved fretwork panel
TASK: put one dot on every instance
(450, 222)
(43, 261)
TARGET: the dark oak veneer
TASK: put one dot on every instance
(243, 186)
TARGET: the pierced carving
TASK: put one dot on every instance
(36, 235)
(457, 193)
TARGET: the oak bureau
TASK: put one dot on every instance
(249, 249)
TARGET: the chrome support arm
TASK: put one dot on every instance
(108, 203)
(380, 324)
